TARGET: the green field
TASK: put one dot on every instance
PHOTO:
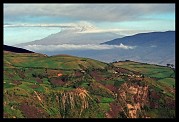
(149, 70)
(53, 62)
(87, 88)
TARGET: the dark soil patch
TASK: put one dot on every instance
(170, 103)
(10, 75)
(121, 70)
(51, 72)
(154, 104)
(78, 74)
(154, 95)
(30, 111)
(57, 82)
(115, 109)
(34, 86)
(111, 87)
(39, 80)
(5, 115)
(97, 75)
(17, 82)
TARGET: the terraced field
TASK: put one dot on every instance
(161, 77)
(63, 86)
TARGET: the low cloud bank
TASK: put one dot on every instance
(75, 47)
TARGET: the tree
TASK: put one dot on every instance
(168, 65)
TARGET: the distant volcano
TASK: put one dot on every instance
(75, 34)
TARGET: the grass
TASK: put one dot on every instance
(84, 84)
(160, 113)
(149, 70)
(11, 74)
(110, 82)
(53, 111)
(40, 89)
(118, 82)
(165, 84)
(57, 62)
(106, 100)
(26, 86)
(20, 92)
(104, 106)
(8, 85)
(168, 81)
(13, 112)
(45, 81)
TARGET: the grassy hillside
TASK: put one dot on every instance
(154, 71)
(161, 81)
(162, 76)
(38, 86)
(53, 62)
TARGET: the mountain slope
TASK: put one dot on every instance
(154, 47)
(63, 86)
(15, 49)
(146, 39)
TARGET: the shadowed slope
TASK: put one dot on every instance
(15, 49)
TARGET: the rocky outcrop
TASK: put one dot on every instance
(132, 98)
(77, 99)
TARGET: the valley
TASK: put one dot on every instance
(152, 47)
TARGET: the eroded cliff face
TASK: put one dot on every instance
(77, 99)
(136, 99)
(132, 98)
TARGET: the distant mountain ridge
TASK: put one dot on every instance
(15, 49)
(143, 39)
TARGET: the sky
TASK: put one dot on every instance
(29, 22)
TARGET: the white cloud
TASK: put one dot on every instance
(75, 47)
(124, 46)
(39, 25)
(153, 46)
(79, 27)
